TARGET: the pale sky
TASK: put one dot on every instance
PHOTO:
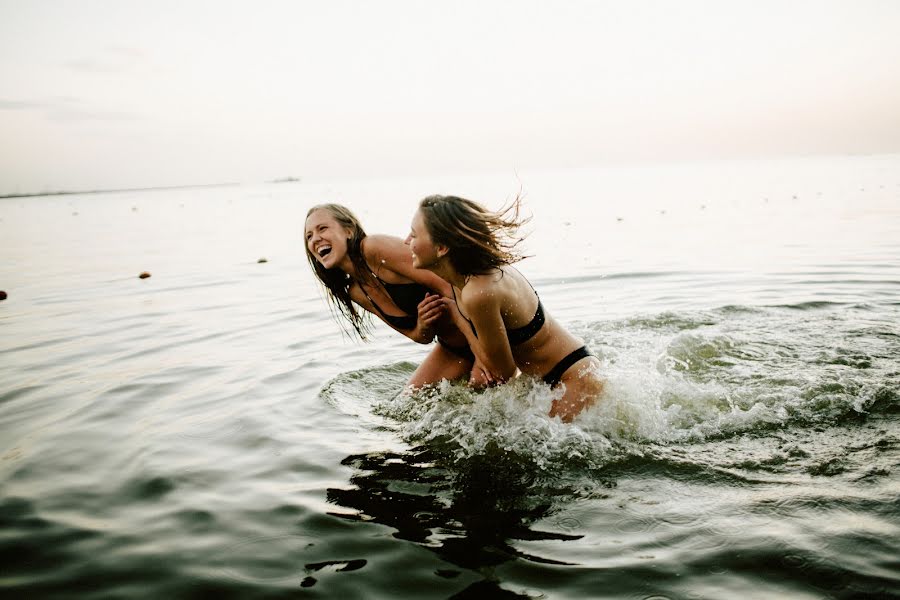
(112, 94)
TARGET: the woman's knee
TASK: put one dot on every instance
(439, 364)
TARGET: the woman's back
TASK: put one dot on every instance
(537, 341)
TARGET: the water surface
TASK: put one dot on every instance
(209, 432)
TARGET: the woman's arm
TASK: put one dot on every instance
(481, 302)
(430, 310)
(389, 252)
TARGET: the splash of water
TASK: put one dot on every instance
(670, 379)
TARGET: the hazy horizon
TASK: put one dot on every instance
(107, 95)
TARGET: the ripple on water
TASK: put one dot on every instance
(267, 559)
(149, 490)
(197, 521)
(637, 524)
(357, 393)
(670, 321)
(828, 467)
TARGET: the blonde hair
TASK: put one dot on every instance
(337, 283)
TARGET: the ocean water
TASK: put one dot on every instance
(209, 432)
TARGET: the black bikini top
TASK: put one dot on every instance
(406, 296)
(519, 335)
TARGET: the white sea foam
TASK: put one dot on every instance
(677, 379)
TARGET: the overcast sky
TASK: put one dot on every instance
(110, 94)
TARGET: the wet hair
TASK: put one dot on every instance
(479, 240)
(337, 283)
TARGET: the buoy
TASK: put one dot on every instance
(144, 275)
(262, 260)
(2, 295)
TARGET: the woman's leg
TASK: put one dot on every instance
(583, 387)
(440, 364)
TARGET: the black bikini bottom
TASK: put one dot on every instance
(463, 352)
(555, 375)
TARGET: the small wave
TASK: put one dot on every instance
(543, 282)
(635, 414)
(356, 393)
(885, 400)
(671, 320)
(811, 305)
(648, 274)
(671, 378)
(512, 418)
(738, 309)
(847, 282)
(17, 393)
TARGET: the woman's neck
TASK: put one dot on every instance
(348, 265)
(445, 271)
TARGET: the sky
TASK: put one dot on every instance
(122, 94)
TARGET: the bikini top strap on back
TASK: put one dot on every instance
(518, 335)
(522, 334)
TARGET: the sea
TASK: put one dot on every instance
(210, 430)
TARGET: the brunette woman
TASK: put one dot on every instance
(507, 326)
(374, 275)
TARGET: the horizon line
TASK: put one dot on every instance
(111, 191)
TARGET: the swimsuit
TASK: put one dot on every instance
(520, 335)
(463, 352)
(555, 375)
(407, 297)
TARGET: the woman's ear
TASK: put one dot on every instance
(442, 250)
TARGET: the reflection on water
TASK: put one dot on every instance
(467, 511)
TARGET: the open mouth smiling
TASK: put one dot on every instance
(323, 250)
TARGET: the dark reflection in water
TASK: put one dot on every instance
(466, 511)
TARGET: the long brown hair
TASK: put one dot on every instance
(337, 283)
(479, 240)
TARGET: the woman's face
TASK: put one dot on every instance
(424, 251)
(326, 239)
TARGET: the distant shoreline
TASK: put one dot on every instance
(144, 189)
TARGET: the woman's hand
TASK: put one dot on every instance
(480, 377)
(430, 309)
(455, 315)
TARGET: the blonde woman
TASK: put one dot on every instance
(374, 275)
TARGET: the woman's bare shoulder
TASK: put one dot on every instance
(379, 245)
(481, 290)
(498, 282)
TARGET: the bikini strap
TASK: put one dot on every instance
(453, 291)
(366, 294)
(527, 281)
